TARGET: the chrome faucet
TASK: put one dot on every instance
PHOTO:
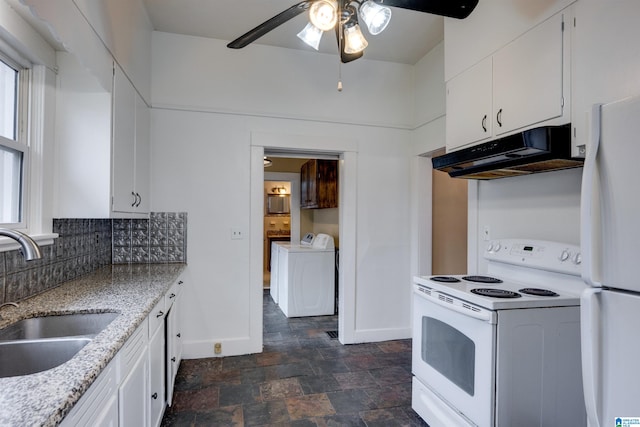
(30, 249)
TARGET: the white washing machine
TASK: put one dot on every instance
(306, 276)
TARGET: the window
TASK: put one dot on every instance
(13, 150)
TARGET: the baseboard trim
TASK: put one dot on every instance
(230, 347)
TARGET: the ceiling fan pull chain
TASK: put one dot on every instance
(339, 50)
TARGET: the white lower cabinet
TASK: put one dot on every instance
(174, 336)
(133, 404)
(132, 395)
(99, 405)
(134, 389)
(156, 395)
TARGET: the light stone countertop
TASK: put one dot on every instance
(44, 398)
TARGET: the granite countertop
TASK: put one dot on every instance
(46, 397)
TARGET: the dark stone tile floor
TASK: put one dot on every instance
(302, 378)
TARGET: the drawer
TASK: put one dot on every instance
(172, 295)
(156, 316)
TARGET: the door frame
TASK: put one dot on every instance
(347, 208)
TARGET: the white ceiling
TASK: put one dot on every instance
(409, 36)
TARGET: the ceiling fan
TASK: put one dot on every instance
(342, 16)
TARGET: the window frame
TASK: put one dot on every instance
(21, 142)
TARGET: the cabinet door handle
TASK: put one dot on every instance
(499, 117)
(135, 199)
(138, 199)
(154, 395)
(484, 123)
(160, 314)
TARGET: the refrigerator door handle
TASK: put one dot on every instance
(587, 196)
(590, 334)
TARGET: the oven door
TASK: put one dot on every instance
(454, 356)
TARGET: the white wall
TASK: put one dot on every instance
(210, 106)
(545, 206)
(203, 74)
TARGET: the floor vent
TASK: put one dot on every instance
(332, 334)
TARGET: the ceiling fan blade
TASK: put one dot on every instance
(451, 8)
(270, 24)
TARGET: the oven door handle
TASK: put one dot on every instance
(484, 315)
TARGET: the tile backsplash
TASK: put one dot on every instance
(161, 238)
(84, 245)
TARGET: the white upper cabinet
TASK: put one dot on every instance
(524, 84)
(492, 25)
(527, 78)
(605, 59)
(124, 138)
(469, 108)
(103, 142)
(130, 148)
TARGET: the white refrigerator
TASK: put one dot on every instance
(610, 240)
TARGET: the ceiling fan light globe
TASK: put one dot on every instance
(354, 41)
(375, 16)
(324, 14)
(311, 35)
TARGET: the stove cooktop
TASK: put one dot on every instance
(498, 293)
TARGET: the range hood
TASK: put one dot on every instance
(536, 150)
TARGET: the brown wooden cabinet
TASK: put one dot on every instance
(319, 184)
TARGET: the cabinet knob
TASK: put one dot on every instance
(180, 282)
(154, 395)
(160, 314)
(173, 359)
(178, 335)
(499, 117)
(172, 296)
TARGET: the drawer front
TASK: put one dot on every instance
(172, 295)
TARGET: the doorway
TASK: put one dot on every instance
(449, 224)
(344, 151)
(283, 178)
(444, 233)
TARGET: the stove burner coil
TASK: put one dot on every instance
(482, 279)
(538, 292)
(495, 293)
(445, 279)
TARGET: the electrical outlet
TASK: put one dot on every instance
(236, 233)
(486, 233)
(217, 348)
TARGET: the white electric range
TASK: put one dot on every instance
(501, 348)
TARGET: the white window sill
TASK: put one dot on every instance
(8, 244)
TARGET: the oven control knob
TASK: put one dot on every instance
(497, 246)
(489, 247)
(577, 259)
(564, 255)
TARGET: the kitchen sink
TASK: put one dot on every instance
(66, 325)
(26, 357)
